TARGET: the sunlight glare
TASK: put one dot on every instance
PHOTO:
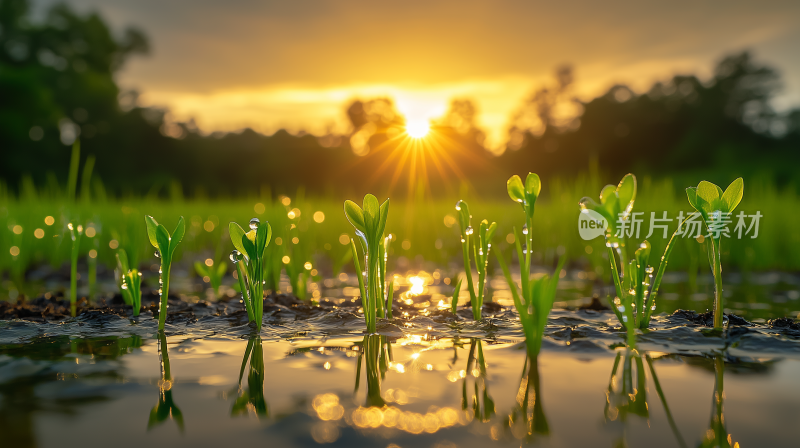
(417, 128)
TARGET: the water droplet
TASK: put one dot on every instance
(157, 254)
(525, 229)
(653, 308)
(624, 318)
(615, 245)
(469, 230)
(458, 206)
(632, 291)
(254, 223)
(649, 270)
(124, 286)
(643, 245)
(463, 240)
(236, 256)
(621, 308)
(616, 301)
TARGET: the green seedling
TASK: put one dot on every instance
(75, 232)
(480, 250)
(165, 245)
(716, 208)
(387, 292)
(634, 283)
(534, 300)
(166, 407)
(456, 293)
(129, 282)
(534, 304)
(249, 258)
(215, 273)
(369, 222)
(91, 265)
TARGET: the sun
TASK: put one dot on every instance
(417, 128)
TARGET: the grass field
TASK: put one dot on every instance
(310, 230)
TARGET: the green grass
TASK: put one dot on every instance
(429, 227)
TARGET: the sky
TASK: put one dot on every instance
(295, 64)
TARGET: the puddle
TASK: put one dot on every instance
(312, 378)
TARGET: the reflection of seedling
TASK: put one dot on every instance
(627, 393)
(212, 272)
(480, 250)
(253, 397)
(165, 248)
(129, 282)
(716, 208)
(535, 300)
(482, 404)
(717, 434)
(635, 286)
(369, 223)
(527, 419)
(166, 406)
(377, 354)
(75, 233)
(249, 259)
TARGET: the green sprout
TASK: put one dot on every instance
(635, 286)
(165, 248)
(75, 233)
(387, 292)
(716, 208)
(480, 249)
(456, 293)
(536, 296)
(535, 302)
(214, 273)
(249, 259)
(91, 259)
(130, 282)
(369, 222)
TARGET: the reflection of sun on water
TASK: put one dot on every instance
(417, 128)
(417, 285)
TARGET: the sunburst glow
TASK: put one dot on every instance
(417, 128)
